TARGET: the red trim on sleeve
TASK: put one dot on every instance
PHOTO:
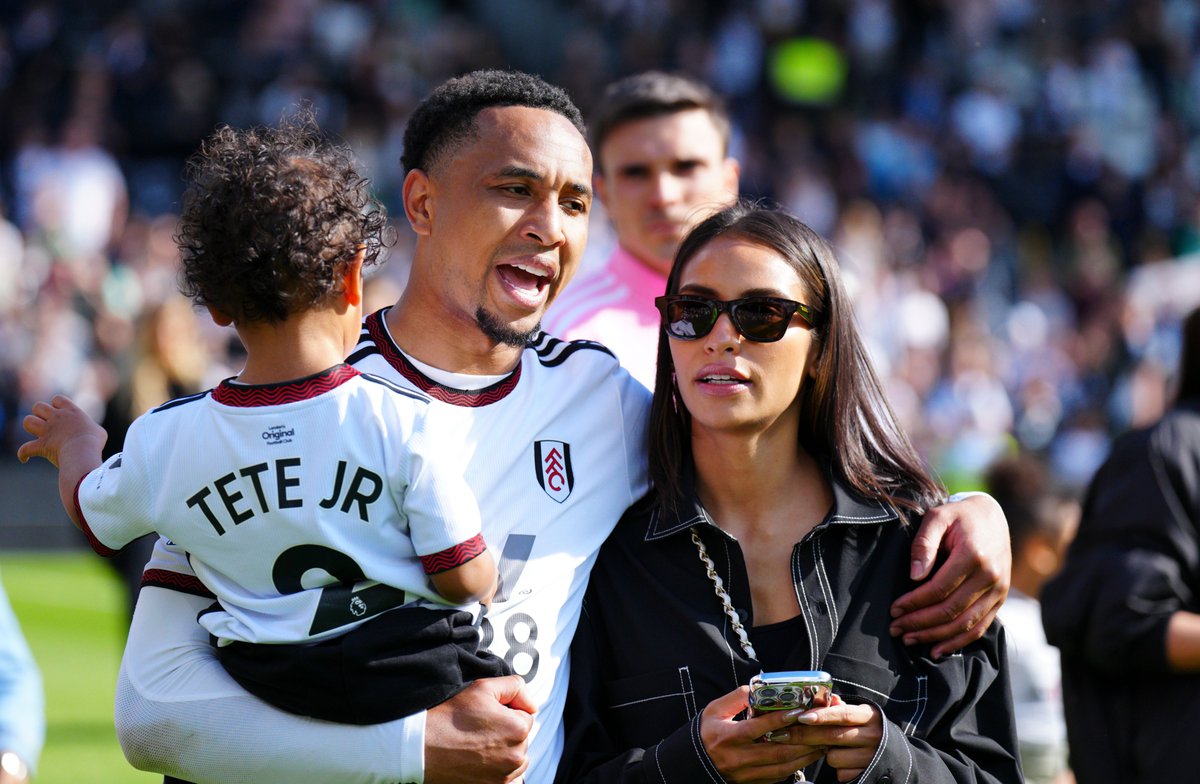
(96, 544)
(453, 557)
(184, 583)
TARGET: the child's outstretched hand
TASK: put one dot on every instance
(68, 438)
(60, 426)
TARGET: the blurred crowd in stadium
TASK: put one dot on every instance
(1012, 185)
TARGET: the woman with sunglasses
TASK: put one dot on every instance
(776, 537)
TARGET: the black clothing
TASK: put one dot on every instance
(774, 642)
(654, 647)
(1134, 562)
(394, 665)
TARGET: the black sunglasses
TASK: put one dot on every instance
(761, 319)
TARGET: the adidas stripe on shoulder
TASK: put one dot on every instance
(552, 352)
(179, 401)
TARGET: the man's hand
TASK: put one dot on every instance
(958, 604)
(480, 734)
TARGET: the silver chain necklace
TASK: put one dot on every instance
(723, 595)
(727, 603)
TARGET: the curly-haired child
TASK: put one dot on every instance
(319, 505)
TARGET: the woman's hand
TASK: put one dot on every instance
(850, 733)
(740, 749)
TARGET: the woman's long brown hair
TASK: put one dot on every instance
(845, 416)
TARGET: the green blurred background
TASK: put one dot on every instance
(72, 609)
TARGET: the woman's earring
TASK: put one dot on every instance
(674, 393)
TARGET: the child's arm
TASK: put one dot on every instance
(473, 581)
(68, 438)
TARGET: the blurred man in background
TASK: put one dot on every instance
(1125, 610)
(662, 165)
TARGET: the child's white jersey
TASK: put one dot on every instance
(554, 452)
(306, 507)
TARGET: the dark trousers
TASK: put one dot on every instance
(395, 665)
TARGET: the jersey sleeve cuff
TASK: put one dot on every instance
(184, 583)
(96, 544)
(412, 749)
(453, 557)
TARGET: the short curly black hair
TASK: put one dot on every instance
(446, 118)
(270, 216)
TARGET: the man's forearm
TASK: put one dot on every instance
(178, 712)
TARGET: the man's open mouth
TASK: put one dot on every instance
(526, 282)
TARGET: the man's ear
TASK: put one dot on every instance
(218, 316)
(731, 172)
(418, 195)
(600, 186)
(352, 278)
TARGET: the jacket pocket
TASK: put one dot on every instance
(644, 705)
(902, 698)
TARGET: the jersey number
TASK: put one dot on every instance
(339, 604)
(520, 630)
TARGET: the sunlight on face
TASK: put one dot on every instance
(662, 176)
(729, 383)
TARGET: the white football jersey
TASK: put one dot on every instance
(555, 452)
(306, 507)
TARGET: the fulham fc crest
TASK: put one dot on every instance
(552, 464)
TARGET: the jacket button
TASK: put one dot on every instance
(743, 616)
(885, 779)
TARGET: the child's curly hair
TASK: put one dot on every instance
(270, 217)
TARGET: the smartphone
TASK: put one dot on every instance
(774, 691)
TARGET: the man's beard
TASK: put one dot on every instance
(493, 328)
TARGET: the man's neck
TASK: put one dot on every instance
(456, 348)
(660, 267)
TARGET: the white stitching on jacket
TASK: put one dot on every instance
(702, 753)
(689, 693)
(922, 702)
(882, 745)
(805, 611)
(651, 699)
(827, 589)
(658, 764)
